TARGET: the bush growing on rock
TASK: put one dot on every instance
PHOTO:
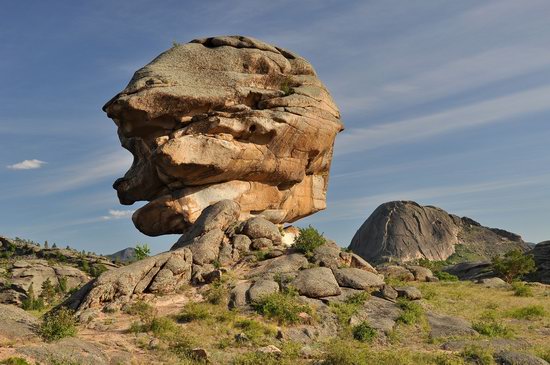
(142, 251)
(308, 240)
(364, 332)
(57, 325)
(513, 265)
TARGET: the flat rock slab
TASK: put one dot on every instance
(442, 326)
(518, 358)
(379, 313)
(280, 265)
(317, 282)
(357, 278)
(16, 324)
(67, 350)
(346, 293)
(409, 292)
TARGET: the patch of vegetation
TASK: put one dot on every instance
(14, 361)
(284, 306)
(445, 276)
(529, 312)
(513, 265)
(31, 302)
(217, 293)
(346, 309)
(286, 87)
(308, 240)
(364, 332)
(142, 251)
(255, 331)
(478, 355)
(194, 312)
(140, 308)
(57, 325)
(521, 290)
(412, 311)
(492, 328)
(343, 353)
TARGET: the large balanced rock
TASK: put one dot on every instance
(224, 118)
(404, 231)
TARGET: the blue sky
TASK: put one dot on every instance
(445, 102)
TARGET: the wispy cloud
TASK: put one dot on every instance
(494, 110)
(26, 165)
(118, 214)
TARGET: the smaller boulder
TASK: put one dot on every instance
(420, 273)
(261, 288)
(358, 262)
(518, 358)
(493, 283)
(357, 279)
(259, 227)
(409, 292)
(261, 244)
(396, 272)
(239, 295)
(327, 255)
(241, 243)
(316, 283)
(442, 326)
(387, 292)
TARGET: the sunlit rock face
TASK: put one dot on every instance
(224, 118)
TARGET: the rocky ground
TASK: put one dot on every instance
(284, 305)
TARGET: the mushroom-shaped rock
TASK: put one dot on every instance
(226, 117)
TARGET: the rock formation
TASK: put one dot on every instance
(224, 118)
(404, 231)
(541, 255)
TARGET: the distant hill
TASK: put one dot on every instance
(126, 255)
(404, 231)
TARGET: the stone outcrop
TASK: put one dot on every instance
(224, 118)
(402, 231)
(541, 255)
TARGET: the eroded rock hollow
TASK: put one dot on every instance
(224, 118)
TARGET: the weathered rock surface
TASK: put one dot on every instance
(442, 326)
(493, 283)
(68, 350)
(404, 231)
(224, 118)
(518, 358)
(409, 292)
(16, 324)
(541, 254)
(357, 278)
(396, 272)
(381, 314)
(471, 270)
(262, 288)
(316, 283)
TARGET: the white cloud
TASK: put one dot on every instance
(27, 165)
(118, 214)
(499, 109)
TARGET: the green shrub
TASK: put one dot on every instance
(346, 309)
(194, 312)
(254, 330)
(218, 293)
(308, 240)
(445, 276)
(477, 355)
(14, 361)
(364, 332)
(57, 325)
(492, 328)
(31, 302)
(142, 251)
(529, 312)
(256, 358)
(513, 265)
(412, 311)
(284, 307)
(62, 286)
(521, 290)
(140, 308)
